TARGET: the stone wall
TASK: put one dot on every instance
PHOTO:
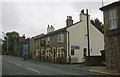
(112, 41)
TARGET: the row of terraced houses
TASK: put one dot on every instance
(71, 44)
(68, 44)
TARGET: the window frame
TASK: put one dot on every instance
(47, 40)
(61, 38)
(112, 19)
(72, 52)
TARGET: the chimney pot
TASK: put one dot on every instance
(50, 29)
(69, 21)
(82, 11)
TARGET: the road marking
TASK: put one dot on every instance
(14, 63)
(10, 61)
(17, 64)
(24, 67)
(32, 70)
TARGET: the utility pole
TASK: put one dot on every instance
(102, 3)
(88, 33)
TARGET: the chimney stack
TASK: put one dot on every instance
(83, 16)
(69, 21)
(50, 29)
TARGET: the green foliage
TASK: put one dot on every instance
(10, 39)
(96, 22)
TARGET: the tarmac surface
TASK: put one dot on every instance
(81, 67)
(18, 66)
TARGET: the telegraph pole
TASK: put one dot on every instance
(88, 33)
(102, 3)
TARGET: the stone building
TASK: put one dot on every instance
(34, 45)
(18, 46)
(111, 14)
(52, 45)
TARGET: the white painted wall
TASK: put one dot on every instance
(77, 37)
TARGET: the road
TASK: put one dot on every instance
(18, 66)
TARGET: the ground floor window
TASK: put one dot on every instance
(72, 52)
(85, 52)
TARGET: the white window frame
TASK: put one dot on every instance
(112, 19)
(48, 41)
(61, 38)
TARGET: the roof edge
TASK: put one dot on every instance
(112, 4)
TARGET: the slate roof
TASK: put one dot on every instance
(57, 31)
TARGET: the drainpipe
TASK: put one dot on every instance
(68, 45)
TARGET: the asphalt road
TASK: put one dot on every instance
(18, 66)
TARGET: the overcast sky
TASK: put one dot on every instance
(32, 17)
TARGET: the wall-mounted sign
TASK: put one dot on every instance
(75, 47)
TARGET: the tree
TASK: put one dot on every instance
(10, 38)
(96, 22)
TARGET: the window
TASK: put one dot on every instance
(112, 19)
(72, 52)
(42, 42)
(38, 42)
(47, 40)
(61, 38)
(85, 52)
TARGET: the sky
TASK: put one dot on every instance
(31, 17)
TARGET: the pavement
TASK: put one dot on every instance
(96, 69)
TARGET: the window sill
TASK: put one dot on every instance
(47, 44)
(113, 32)
(60, 42)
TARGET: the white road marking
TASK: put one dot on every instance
(14, 63)
(17, 64)
(24, 67)
(32, 70)
(10, 61)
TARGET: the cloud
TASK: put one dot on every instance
(32, 18)
(57, 0)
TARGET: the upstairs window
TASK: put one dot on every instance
(47, 40)
(42, 42)
(37, 43)
(112, 19)
(61, 38)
